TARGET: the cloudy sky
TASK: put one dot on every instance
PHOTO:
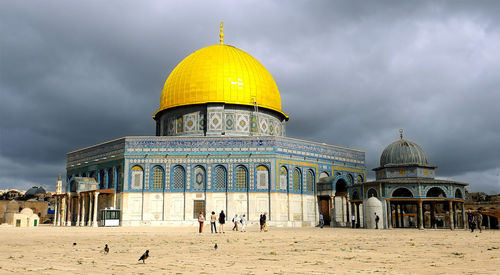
(76, 73)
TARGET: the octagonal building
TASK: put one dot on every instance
(220, 144)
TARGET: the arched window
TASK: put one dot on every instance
(436, 192)
(241, 178)
(458, 194)
(283, 178)
(199, 178)
(359, 179)
(137, 177)
(297, 180)
(350, 179)
(402, 192)
(179, 177)
(262, 177)
(340, 187)
(158, 177)
(220, 178)
(310, 181)
(371, 193)
(355, 195)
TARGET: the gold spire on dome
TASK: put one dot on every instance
(221, 35)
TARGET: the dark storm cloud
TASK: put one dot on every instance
(350, 73)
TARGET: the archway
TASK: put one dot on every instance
(341, 203)
(436, 192)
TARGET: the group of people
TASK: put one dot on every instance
(237, 221)
(475, 220)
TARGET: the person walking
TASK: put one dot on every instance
(471, 220)
(353, 221)
(201, 219)
(264, 219)
(479, 221)
(377, 218)
(321, 220)
(213, 219)
(261, 222)
(243, 223)
(222, 221)
(235, 221)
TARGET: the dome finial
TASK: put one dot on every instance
(401, 133)
(221, 35)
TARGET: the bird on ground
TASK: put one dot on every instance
(215, 246)
(74, 244)
(144, 257)
(106, 249)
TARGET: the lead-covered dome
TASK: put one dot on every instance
(220, 74)
(403, 152)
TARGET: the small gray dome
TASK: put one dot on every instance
(403, 152)
(33, 191)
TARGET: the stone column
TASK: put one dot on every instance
(91, 205)
(396, 210)
(452, 223)
(334, 218)
(69, 204)
(488, 219)
(62, 215)
(78, 203)
(96, 202)
(420, 215)
(114, 201)
(402, 215)
(463, 215)
(82, 221)
(55, 212)
(389, 214)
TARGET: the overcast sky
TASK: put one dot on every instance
(77, 73)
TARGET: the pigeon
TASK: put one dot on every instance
(74, 244)
(144, 256)
(215, 246)
(106, 249)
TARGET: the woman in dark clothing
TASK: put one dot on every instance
(222, 221)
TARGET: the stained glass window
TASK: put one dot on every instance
(310, 181)
(220, 178)
(179, 178)
(296, 180)
(241, 178)
(158, 177)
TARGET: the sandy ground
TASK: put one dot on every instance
(181, 250)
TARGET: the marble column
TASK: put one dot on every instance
(489, 223)
(396, 210)
(389, 214)
(55, 212)
(463, 215)
(420, 215)
(78, 208)
(82, 221)
(96, 202)
(69, 204)
(62, 215)
(452, 223)
(402, 215)
(91, 207)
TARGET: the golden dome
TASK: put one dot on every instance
(220, 74)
